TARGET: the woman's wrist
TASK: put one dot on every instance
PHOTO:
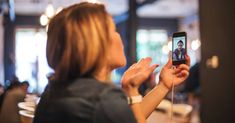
(131, 92)
(134, 99)
(163, 86)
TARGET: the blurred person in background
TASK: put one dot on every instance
(191, 87)
(1, 89)
(83, 48)
(14, 81)
(10, 112)
(192, 83)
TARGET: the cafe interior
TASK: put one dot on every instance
(146, 28)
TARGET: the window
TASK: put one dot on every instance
(152, 43)
(31, 63)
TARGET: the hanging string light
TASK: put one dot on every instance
(58, 10)
(44, 20)
(93, 1)
(49, 13)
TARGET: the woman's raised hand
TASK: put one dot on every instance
(136, 75)
(168, 76)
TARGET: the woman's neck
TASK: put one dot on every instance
(103, 74)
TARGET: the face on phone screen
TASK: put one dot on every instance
(179, 49)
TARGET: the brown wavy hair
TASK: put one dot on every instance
(78, 38)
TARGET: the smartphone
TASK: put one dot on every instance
(179, 48)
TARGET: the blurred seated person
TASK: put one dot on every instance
(9, 111)
(192, 83)
(1, 89)
(14, 81)
(191, 87)
(83, 48)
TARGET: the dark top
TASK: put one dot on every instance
(179, 55)
(83, 101)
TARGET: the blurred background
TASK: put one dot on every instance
(146, 28)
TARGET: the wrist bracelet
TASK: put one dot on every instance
(134, 99)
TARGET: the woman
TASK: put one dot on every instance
(83, 48)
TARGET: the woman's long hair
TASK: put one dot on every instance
(78, 39)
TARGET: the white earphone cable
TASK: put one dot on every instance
(172, 97)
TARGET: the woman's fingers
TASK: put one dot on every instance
(183, 74)
(177, 71)
(144, 63)
(132, 66)
(169, 63)
(180, 68)
(151, 69)
(142, 76)
(129, 73)
(183, 67)
(188, 61)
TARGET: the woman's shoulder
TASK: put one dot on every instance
(77, 98)
(112, 107)
(90, 86)
(84, 88)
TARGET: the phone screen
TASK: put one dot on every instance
(179, 48)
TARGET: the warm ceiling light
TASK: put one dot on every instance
(58, 10)
(50, 11)
(43, 20)
(93, 1)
